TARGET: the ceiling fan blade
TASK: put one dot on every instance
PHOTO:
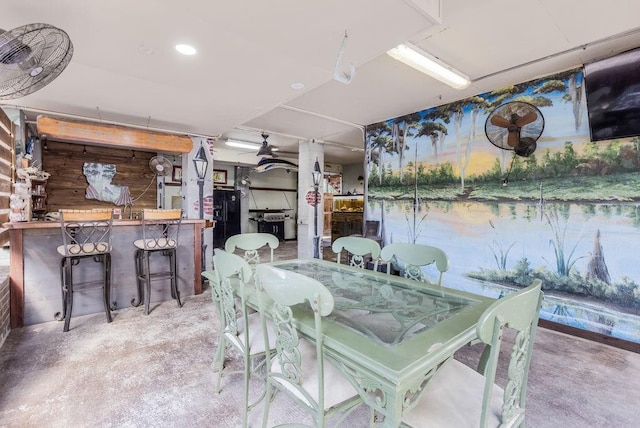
(526, 119)
(500, 121)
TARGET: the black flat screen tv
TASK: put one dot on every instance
(613, 96)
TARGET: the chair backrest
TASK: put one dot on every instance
(160, 229)
(358, 247)
(411, 258)
(226, 267)
(251, 243)
(287, 289)
(85, 232)
(518, 311)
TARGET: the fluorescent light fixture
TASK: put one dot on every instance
(242, 144)
(428, 64)
(186, 49)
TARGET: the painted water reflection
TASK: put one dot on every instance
(557, 242)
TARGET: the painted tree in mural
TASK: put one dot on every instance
(597, 268)
(402, 128)
(433, 127)
(463, 151)
(379, 136)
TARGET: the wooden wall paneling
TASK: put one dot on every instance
(67, 185)
(5, 185)
(6, 171)
(5, 150)
(6, 127)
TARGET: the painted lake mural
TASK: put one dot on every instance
(568, 214)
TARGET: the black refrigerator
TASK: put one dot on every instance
(226, 214)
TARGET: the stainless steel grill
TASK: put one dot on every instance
(272, 217)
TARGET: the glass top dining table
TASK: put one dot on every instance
(389, 335)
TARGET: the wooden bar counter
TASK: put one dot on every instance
(35, 270)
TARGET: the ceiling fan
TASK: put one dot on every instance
(267, 149)
(31, 57)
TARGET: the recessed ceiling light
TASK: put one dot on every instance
(144, 49)
(297, 86)
(186, 49)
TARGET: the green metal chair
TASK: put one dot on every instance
(358, 247)
(238, 328)
(411, 258)
(250, 243)
(298, 367)
(459, 396)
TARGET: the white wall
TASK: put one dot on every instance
(350, 174)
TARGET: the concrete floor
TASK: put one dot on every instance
(143, 371)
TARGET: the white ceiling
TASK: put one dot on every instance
(251, 51)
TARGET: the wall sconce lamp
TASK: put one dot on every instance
(429, 65)
(360, 180)
(201, 164)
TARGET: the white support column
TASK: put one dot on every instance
(308, 153)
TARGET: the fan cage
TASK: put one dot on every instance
(31, 57)
(165, 166)
(497, 135)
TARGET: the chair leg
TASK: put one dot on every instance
(218, 362)
(247, 374)
(267, 402)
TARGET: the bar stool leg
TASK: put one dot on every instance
(61, 315)
(174, 276)
(147, 278)
(106, 285)
(68, 291)
(139, 269)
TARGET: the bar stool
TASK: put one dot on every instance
(159, 236)
(85, 234)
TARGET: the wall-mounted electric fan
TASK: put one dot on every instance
(515, 126)
(31, 56)
(160, 166)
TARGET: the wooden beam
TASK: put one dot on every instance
(112, 135)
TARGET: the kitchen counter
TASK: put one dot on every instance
(35, 294)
